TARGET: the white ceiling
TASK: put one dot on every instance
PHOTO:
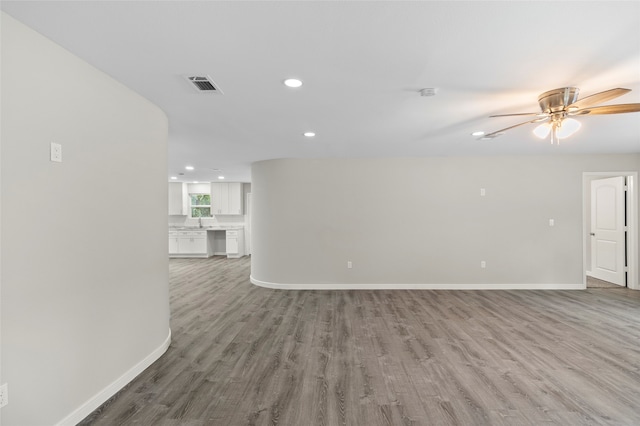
(362, 64)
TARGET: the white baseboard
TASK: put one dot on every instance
(101, 397)
(339, 286)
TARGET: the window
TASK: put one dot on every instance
(200, 205)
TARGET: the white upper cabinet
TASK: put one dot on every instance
(219, 198)
(226, 198)
(235, 198)
(178, 199)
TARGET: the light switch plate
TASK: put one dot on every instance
(56, 152)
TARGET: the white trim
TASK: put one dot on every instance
(101, 397)
(633, 278)
(192, 255)
(632, 231)
(388, 286)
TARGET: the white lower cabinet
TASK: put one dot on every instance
(203, 243)
(189, 243)
(173, 242)
(235, 243)
(232, 242)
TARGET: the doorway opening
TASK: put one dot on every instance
(601, 253)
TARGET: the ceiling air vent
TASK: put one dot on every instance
(204, 84)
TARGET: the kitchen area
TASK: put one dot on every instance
(209, 219)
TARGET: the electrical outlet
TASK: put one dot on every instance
(483, 264)
(56, 152)
(349, 265)
(4, 395)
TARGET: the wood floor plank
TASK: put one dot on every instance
(245, 355)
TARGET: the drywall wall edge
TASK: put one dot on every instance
(101, 397)
(390, 286)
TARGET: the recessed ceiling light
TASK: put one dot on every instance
(221, 177)
(189, 167)
(292, 82)
(309, 134)
(195, 181)
(174, 177)
(480, 133)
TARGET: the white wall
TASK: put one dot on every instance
(422, 221)
(84, 242)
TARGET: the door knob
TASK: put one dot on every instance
(592, 234)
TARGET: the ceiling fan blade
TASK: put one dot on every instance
(518, 113)
(608, 109)
(501, 131)
(597, 98)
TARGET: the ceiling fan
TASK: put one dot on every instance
(559, 105)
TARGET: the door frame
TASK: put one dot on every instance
(247, 225)
(632, 223)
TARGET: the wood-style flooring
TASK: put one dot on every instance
(245, 355)
(595, 282)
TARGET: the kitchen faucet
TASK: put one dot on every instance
(200, 221)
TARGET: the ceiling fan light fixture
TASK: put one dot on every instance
(558, 104)
(567, 127)
(543, 130)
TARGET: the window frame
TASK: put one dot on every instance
(192, 206)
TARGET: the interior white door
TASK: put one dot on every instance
(607, 230)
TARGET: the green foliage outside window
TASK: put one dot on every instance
(200, 211)
(200, 199)
(200, 205)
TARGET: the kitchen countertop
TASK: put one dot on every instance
(205, 228)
